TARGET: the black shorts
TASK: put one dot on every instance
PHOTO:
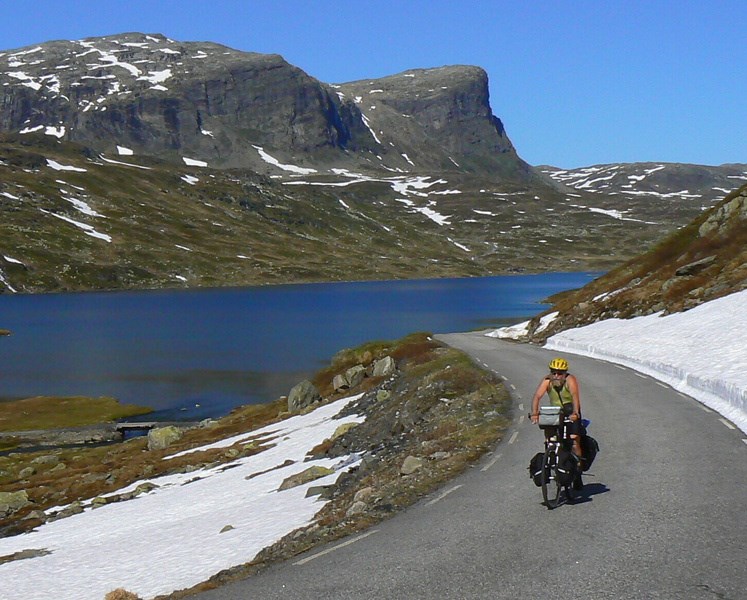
(573, 427)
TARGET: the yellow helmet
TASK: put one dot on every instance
(559, 364)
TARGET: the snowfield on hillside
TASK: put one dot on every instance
(188, 528)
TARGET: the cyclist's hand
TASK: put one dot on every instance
(534, 418)
(574, 417)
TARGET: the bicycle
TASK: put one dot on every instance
(559, 467)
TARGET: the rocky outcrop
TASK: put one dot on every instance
(353, 376)
(91, 434)
(445, 109)
(721, 219)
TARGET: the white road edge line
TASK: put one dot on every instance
(514, 435)
(491, 463)
(443, 495)
(744, 440)
(640, 375)
(729, 425)
(328, 550)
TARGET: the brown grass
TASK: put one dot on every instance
(121, 594)
(43, 412)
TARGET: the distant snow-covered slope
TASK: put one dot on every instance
(666, 181)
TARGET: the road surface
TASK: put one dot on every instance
(663, 514)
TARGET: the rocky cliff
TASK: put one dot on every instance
(152, 95)
(437, 119)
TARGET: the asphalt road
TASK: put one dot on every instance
(663, 513)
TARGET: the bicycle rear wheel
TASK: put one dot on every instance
(551, 488)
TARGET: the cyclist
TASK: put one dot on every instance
(562, 389)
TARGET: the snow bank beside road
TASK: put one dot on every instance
(701, 352)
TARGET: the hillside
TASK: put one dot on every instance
(136, 161)
(701, 262)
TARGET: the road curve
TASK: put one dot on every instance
(663, 514)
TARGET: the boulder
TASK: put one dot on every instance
(695, 267)
(410, 465)
(162, 437)
(363, 494)
(75, 508)
(323, 491)
(350, 379)
(26, 472)
(384, 367)
(310, 474)
(99, 501)
(383, 395)
(339, 382)
(37, 515)
(343, 429)
(145, 487)
(355, 375)
(10, 502)
(356, 508)
(302, 395)
(46, 459)
(121, 594)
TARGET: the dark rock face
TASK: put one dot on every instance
(447, 108)
(151, 95)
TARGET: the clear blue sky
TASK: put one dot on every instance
(576, 82)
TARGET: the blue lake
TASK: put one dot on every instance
(199, 353)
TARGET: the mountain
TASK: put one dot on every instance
(164, 98)
(135, 161)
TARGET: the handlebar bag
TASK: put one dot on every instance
(549, 416)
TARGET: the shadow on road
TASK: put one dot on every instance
(590, 490)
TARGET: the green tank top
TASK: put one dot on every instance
(560, 397)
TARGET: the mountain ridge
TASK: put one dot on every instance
(217, 104)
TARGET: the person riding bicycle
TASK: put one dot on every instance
(562, 389)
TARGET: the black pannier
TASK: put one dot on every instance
(535, 468)
(567, 467)
(589, 447)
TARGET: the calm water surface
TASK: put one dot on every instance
(198, 353)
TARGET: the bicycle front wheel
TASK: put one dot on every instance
(551, 488)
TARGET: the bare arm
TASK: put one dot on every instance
(541, 391)
(576, 393)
